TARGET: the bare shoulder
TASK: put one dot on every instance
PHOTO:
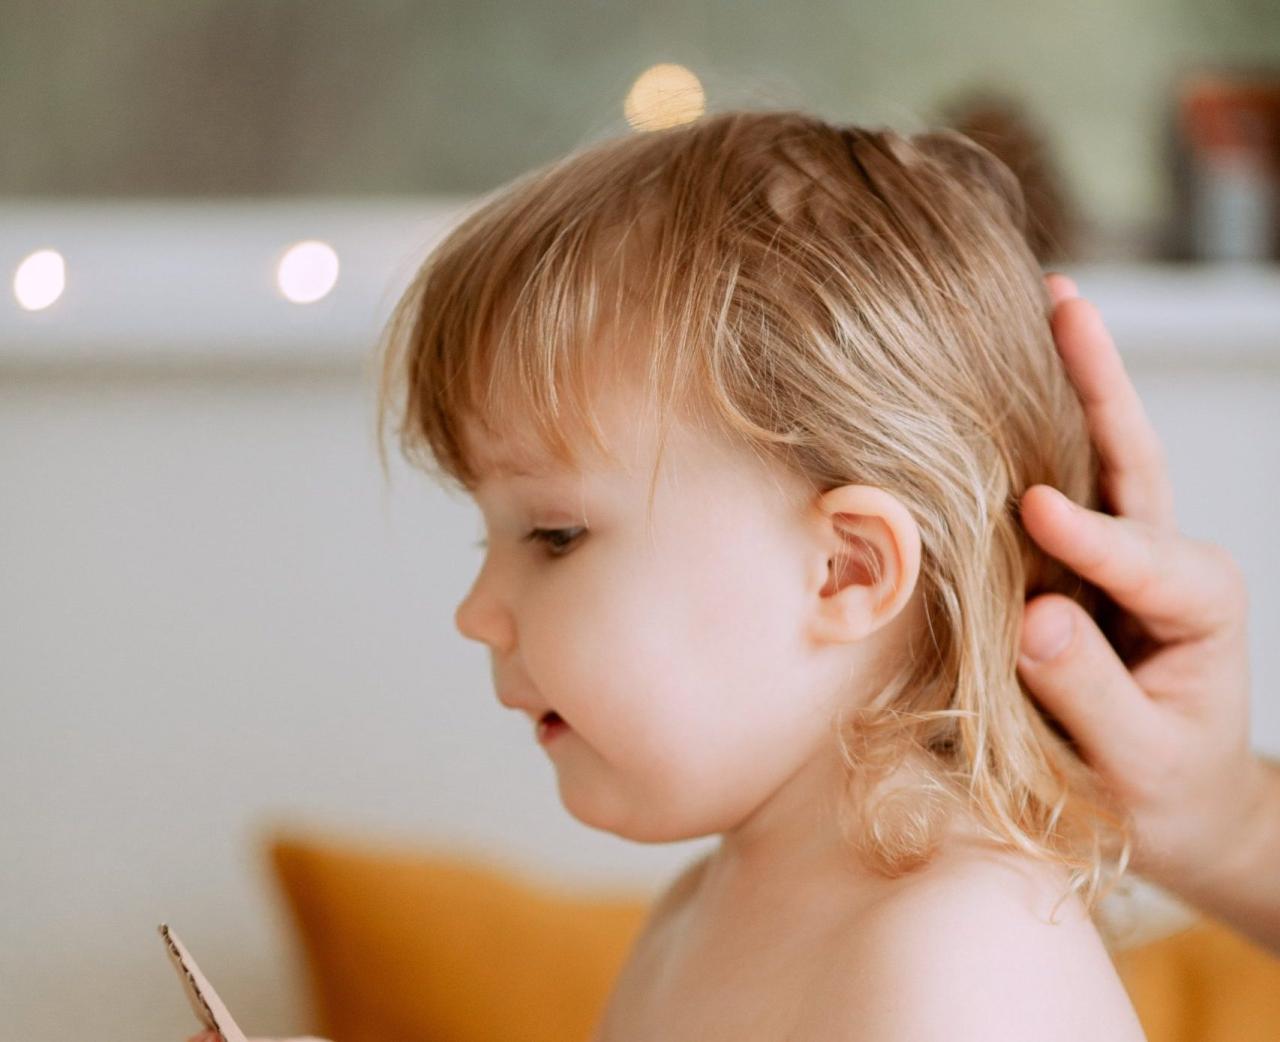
(662, 913)
(632, 990)
(973, 948)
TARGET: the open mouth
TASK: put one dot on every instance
(550, 725)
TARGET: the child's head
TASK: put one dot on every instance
(782, 384)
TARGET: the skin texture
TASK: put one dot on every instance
(1168, 726)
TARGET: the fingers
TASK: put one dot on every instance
(1135, 473)
(1085, 686)
(1178, 587)
(1060, 287)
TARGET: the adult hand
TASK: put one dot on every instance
(1163, 715)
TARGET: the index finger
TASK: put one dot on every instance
(1060, 286)
(1134, 474)
(1181, 588)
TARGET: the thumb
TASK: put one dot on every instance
(1073, 672)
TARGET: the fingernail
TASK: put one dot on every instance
(1049, 635)
(1072, 289)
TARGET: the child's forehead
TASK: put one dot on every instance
(510, 442)
(504, 455)
(516, 454)
(689, 453)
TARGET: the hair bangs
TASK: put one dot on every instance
(531, 306)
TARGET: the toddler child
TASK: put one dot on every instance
(747, 405)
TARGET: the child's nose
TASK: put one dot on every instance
(480, 619)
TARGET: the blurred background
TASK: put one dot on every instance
(217, 616)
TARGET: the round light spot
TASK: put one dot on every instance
(40, 279)
(664, 96)
(307, 271)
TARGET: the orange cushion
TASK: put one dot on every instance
(414, 945)
(1205, 983)
(407, 945)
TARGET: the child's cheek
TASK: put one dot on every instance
(610, 659)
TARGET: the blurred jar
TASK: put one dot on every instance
(1228, 131)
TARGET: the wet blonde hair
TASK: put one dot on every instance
(856, 305)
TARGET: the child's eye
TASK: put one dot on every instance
(555, 538)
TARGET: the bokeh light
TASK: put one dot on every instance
(664, 96)
(307, 271)
(40, 279)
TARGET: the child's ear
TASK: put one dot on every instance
(868, 548)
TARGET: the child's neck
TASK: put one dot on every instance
(791, 854)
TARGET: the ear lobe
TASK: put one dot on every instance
(873, 563)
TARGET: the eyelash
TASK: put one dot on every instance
(549, 537)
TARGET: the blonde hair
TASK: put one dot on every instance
(856, 305)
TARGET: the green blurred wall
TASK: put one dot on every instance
(314, 96)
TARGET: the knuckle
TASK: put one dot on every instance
(1219, 559)
(1233, 575)
(1215, 572)
(1151, 565)
(1154, 453)
(1230, 566)
(1145, 455)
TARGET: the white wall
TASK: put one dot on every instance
(216, 617)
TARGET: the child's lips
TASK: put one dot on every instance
(550, 726)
